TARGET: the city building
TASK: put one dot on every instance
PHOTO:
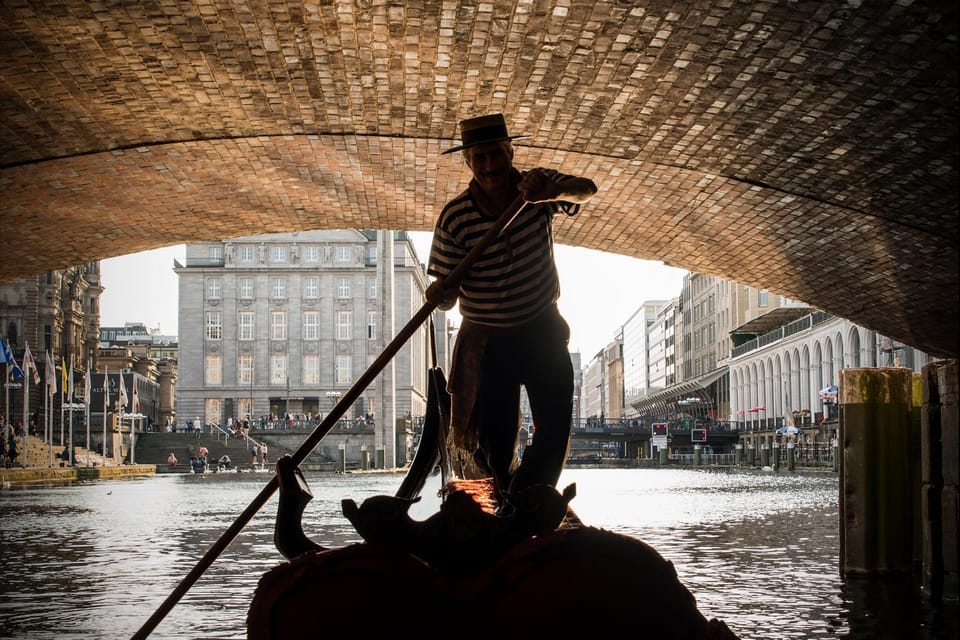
(57, 312)
(278, 327)
(730, 355)
(150, 358)
(636, 335)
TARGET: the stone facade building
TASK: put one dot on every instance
(151, 358)
(56, 311)
(278, 327)
(740, 355)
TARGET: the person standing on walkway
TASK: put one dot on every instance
(512, 333)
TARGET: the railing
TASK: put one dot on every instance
(706, 459)
(591, 425)
(349, 424)
(806, 322)
(204, 262)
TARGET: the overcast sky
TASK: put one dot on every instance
(598, 291)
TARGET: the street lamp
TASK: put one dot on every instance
(334, 398)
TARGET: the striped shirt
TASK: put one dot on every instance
(515, 278)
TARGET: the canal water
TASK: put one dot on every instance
(757, 549)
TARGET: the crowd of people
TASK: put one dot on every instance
(11, 438)
(199, 462)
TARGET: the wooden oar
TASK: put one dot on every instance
(450, 282)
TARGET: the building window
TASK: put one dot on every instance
(311, 369)
(213, 411)
(246, 253)
(279, 288)
(245, 408)
(215, 253)
(311, 253)
(342, 369)
(246, 288)
(372, 287)
(343, 288)
(278, 325)
(278, 369)
(372, 255)
(371, 325)
(278, 253)
(344, 322)
(245, 369)
(344, 253)
(311, 325)
(762, 296)
(245, 325)
(213, 289)
(213, 372)
(214, 325)
(311, 287)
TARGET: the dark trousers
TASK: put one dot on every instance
(536, 357)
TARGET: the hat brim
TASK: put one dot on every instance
(479, 142)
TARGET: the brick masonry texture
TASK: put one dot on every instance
(809, 148)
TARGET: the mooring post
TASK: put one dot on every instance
(940, 480)
(875, 499)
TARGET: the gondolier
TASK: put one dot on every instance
(512, 333)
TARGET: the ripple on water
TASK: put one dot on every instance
(758, 550)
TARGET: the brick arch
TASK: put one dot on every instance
(806, 149)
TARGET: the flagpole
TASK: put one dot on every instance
(106, 400)
(46, 397)
(70, 415)
(50, 420)
(48, 405)
(86, 400)
(26, 422)
(63, 391)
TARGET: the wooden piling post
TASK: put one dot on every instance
(875, 472)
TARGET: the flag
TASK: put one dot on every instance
(51, 371)
(123, 392)
(6, 357)
(70, 384)
(136, 397)
(86, 384)
(63, 376)
(29, 364)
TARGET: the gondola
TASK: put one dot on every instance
(465, 571)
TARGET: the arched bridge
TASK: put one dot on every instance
(809, 148)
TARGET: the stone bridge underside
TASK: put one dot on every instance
(806, 147)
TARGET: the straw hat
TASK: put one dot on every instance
(483, 129)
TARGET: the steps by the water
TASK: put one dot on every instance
(155, 448)
(39, 455)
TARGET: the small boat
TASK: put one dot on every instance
(465, 571)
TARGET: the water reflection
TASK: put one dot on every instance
(758, 550)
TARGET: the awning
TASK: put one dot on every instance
(773, 319)
(679, 390)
